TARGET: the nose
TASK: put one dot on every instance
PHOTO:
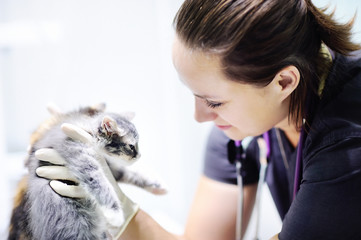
(202, 112)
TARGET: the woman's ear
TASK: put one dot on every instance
(286, 81)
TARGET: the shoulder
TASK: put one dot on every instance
(217, 142)
(345, 71)
(339, 108)
(216, 163)
(218, 159)
(334, 139)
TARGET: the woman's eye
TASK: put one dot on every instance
(213, 104)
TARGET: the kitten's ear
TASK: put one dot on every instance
(93, 109)
(128, 115)
(99, 107)
(110, 126)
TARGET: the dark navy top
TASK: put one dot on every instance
(328, 204)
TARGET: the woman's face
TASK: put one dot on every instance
(240, 110)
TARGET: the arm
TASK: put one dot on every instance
(143, 226)
(214, 209)
(212, 215)
(275, 237)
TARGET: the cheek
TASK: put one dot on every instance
(249, 119)
(238, 115)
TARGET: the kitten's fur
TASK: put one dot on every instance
(40, 213)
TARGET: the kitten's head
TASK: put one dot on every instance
(118, 139)
(57, 115)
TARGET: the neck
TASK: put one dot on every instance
(292, 134)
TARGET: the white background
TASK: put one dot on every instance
(81, 52)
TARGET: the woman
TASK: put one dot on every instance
(254, 65)
(278, 67)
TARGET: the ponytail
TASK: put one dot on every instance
(335, 35)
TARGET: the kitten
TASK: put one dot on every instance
(40, 213)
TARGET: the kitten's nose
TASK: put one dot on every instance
(135, 153)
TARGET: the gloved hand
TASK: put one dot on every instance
(60, 172)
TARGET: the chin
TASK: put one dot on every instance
(235, 134)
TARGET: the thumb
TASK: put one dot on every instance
(76, 133)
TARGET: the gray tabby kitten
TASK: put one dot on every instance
(41, 214)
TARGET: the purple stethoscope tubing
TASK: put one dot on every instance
(296, 183)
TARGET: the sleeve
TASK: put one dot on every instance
(328, 204)
(217, 164)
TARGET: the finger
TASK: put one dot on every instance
(55, 172)
(65, 190)
(76, 133)
(49, 155)
(53, 109)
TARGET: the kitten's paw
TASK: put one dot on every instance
(114, 217)
(157, 188)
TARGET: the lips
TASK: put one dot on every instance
(224, 127)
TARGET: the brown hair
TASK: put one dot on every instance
(255, 39)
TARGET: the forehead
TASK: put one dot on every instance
(185, 57)
(199, 71)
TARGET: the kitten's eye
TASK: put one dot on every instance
(132, 147)
(213, 104)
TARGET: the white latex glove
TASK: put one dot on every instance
(60, 172)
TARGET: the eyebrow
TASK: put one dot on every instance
(205, 96)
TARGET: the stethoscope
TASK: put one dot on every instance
(265, 151)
